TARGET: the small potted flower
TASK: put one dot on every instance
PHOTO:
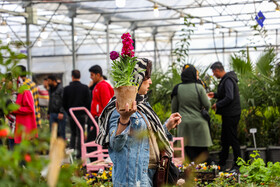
(123, 73)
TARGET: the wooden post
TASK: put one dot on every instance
(57, 154)
(56, 157)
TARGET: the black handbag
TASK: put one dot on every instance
(173, 174)
(203, 111)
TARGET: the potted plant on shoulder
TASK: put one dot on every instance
(125, 87)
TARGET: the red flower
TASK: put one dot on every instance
(114, 55)
(27, 158)
(127, 45)
(4, 132)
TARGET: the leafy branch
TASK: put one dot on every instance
(182, 47)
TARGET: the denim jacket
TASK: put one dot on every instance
(129, 151)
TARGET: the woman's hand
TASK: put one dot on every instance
(125, 114)
(173, 121)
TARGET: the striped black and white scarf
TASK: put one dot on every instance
(143, 106)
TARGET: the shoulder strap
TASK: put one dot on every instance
(150, 131)
(199, 96)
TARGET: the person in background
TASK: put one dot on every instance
(76, 95)
(25, 127)
(32, 86)
(101, 95)
(91, 85)
(43, 93)
(228, 106)
(186, 98)
(56, 111)
(102, 92)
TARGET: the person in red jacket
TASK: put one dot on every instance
(26, 127)
(102, 92)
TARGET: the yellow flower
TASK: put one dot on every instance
(204, 167)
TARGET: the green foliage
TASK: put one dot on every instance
(8, 61)
(241, 64)
(182, 47)
(160, 97)
(258, 86)
(23, 165)
(122, 71)
(215, 130)
(256, 172)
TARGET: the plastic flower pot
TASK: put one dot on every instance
(273, 153)
(124, 95)
(261, 151)
(243, 151)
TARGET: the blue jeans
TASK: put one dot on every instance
(151, 173)
(61, 124)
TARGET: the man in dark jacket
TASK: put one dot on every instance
(228, 105)
(56, 112)
(76, 95)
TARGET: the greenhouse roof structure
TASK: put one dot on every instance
(87, 30)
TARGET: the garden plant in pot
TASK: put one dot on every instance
(122, 73)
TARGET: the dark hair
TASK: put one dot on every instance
(76, 74)
(45, 79)
(52, 77)
(96, 69)
(148, 70)
(23, 70)
(217, 65)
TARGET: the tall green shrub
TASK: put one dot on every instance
(259, 93)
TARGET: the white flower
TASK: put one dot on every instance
(100, 171)
(181, 182)
(215, 167)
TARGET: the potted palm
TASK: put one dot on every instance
(125, 86)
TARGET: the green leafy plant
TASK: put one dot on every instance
(123, 66)
(256, 172)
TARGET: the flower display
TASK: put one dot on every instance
(100, 178)
(123, 65)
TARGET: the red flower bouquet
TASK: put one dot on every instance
(123, 65)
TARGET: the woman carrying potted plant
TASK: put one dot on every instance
(135, 136)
